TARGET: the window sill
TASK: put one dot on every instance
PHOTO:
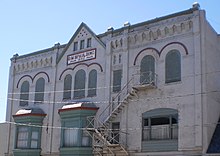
(173, 83)
(77, 150)
(31, 152)
(160, 145)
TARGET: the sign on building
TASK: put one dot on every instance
(82, 56)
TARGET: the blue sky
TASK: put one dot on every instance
(27, 26)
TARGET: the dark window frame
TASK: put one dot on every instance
(92, 83)
(24, 93)
(173, 66)
(39, 90)
(117, 79)
(67, 87)
(82, 44)
(80, 84)
(75, 46)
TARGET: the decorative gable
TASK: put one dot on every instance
(82, 45)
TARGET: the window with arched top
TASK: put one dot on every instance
(39, 90)
(92, 84)
(147, 70)
(79, 84)
(173, 66)
(160, 128)
(67, 87)
(24, 93)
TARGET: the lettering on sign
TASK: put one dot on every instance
(80, 57)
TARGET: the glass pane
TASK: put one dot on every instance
(160, 132)
(147, 70)
(146, 133)
(67, 87)
(34, 135)
(22, 135)
(173, 66)
(79, 84)
(115, 132)
(89, 42)
(75, 46)
(22, 144)
(34, 144)
(39, 95)
(146, 122)
(22, 138)
(92, 83)
(117, 76)
(70, 137)
(82, 42)
(24, 93)
(85, 141)
(160, 121)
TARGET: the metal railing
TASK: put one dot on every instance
(113, 105)
(102, 136)
(160, 132)
(144, 78)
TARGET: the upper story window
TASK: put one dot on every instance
(39, 90)
(67, 87)
(75, 46)
(114, 59)
(79, 84)
(92, 84)
(173, 66)
(24, 93)
(82, 44)
(119, 58)
(147, 70)
(117, 77)
(89, 42)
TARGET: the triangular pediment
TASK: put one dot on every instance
(82, 33)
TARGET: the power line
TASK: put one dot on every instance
(111, 86)
(105, 101)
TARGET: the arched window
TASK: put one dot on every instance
(173, 66)
(92, 85)
(147, 71)
(79, 84)
(24, 93)
(160, 127)
(67, 87)
(39, 90)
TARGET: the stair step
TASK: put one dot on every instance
(136, 89)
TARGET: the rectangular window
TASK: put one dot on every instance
(160, 128)
(82, 44)
(75, 46)
(89, 42)
(34, 139)
(27, 137)
(117, 76)
(22, 137)
(71, 137)
(115, 134)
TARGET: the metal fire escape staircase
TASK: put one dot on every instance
(105, 139)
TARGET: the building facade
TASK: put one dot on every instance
(150, 88)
